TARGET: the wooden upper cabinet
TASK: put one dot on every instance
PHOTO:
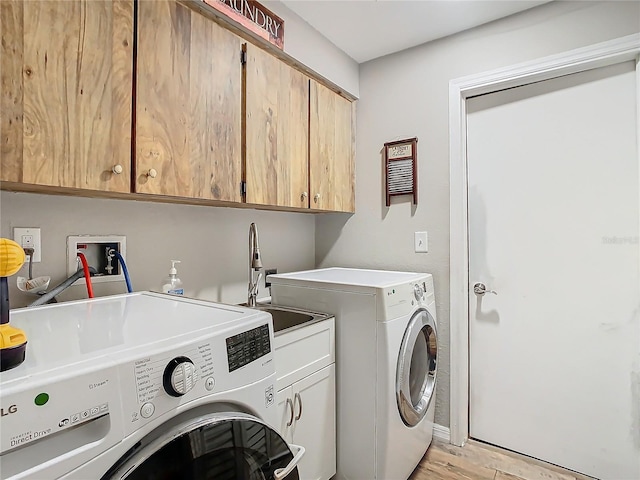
(331, 151)
(66, 76)
(277, 132)
(188, 105)
(70, 89)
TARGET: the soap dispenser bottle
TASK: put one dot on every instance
(172, 284)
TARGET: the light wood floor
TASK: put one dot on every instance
(479, 461)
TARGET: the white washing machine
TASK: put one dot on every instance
(386, 351)
(143, 386)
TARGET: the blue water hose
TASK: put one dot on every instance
(124, 269)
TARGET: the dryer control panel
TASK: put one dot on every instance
(402, 299)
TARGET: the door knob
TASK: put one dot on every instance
(316, 197)
(481, 289)
(152, 173)
(117, 169)
(303, 196)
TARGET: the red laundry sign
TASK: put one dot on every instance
(253, 16)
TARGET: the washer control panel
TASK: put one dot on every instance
(164, 381)
(162, 376)
(248, 346)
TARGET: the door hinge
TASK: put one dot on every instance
(243, 57)
(243, 188)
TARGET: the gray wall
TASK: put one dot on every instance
(212, 243)
(306, 44)
(405, 95)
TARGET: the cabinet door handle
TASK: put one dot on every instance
(152, 173)
(117, 169)
(303, 196)
(316, 197)
(290, 404)
(299, 400)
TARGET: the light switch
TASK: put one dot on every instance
(421, 242)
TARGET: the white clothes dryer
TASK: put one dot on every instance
(386, 359)
(143, 386)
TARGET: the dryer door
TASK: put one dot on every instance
(416, 371)
(221, 446)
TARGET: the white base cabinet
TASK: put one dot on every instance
(307, 401)
(309, 419)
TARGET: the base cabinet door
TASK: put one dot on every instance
(308, 418)
(314, 405)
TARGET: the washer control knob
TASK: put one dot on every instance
(418, 291)
(179, 376)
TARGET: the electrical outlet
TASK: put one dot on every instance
(267, 272)
(29, 238)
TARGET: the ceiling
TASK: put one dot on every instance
(367, 29)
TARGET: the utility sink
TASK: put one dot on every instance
(285, 318)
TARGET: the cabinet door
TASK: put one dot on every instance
(314, 400)
(299, 352)
(331, 150)
(66, 71)
(277, 129)
(188, 105)
(285, 413)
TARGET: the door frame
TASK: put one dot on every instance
(595, 56)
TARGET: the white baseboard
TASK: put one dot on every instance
(442, 434)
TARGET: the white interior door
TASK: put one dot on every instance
(554, 357)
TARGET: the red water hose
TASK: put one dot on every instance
(87, 274)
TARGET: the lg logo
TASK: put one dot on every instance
(12, 409)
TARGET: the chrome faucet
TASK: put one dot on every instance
(255, 264)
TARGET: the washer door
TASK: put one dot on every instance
(416, 372)
(221, 446)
